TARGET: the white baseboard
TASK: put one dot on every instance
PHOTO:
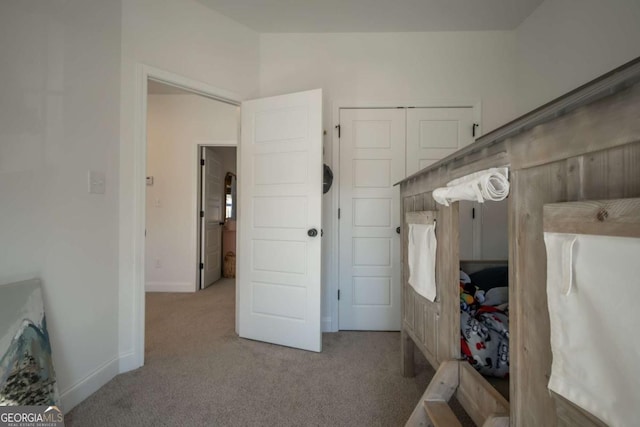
(169, 287)
(326, 324)
(128, 362)
(89, 384)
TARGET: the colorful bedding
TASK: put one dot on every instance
(484, 329)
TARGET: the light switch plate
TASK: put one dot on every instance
(97, 182)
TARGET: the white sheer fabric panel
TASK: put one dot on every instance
(422, 259)
(592, 290)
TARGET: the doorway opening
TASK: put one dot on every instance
(218, 213)
(191, 145)
(182, 128)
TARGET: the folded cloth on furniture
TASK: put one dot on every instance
(491, 184)
(422, 259)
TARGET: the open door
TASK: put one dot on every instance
(280, 219)
(211, 218)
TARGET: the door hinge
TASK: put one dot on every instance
(473, 213)
(201, 162)
(338, 127)
(201, 266)
(338, 294)
(338, 213)
(473, 129)
(201, 214)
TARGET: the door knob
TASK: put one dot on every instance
(312, 232)
(398, 230)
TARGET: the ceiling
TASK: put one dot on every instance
(324, 16)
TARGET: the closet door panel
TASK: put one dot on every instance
(372, 160)
(434, 133)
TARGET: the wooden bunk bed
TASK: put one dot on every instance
(582, 146)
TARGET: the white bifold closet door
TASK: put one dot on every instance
(372, 160)
(280, 220)
(434, 133)
(379, 147)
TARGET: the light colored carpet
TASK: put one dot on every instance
(199, 373)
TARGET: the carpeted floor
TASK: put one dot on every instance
(199, 373)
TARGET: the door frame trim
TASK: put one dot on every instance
(333, 282)
(137, 238)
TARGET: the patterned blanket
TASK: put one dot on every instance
(484, 331)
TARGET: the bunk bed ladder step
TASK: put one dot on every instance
(436, 399)
(440, 414)
(434, 410)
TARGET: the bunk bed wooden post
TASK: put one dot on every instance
(448, 280)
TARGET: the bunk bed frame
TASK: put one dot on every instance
(582, 146)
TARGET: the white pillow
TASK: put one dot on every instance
(497, 296)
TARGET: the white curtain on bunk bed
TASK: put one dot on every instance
(422, 259)
(491, 184)
(592, 286)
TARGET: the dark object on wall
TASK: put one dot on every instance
(327, 179)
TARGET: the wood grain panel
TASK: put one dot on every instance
(620, 217)
(419, 321)
(447, 282)
(420, 315)
(569, 415)
(431, 357)
(607, 123)
(478, 397)
(440, 414)
(611, 174)
(530, 363)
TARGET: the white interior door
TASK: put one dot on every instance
(372, 160)
(212, 217)
(434, 133)
(280, 192)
